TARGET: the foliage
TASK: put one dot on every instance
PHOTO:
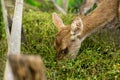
(44, 5)
(98, 57)
(74, 5)
(47, 6)
(3, 50)
(33, 3)
(59, 2)
(2, 34)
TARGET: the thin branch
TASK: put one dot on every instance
(59, 8)
(65, 5)
(8, 71)
(5, 15)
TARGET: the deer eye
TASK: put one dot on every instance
(64, 51)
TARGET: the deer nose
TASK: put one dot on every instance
(57, 57)
(64, 51)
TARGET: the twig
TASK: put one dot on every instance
(59, 8)
(5, 15)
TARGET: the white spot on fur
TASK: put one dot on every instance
(74, 26)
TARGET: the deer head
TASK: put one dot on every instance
(68, 38)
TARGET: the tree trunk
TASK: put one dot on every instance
(15, 40)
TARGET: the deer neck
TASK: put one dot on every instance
(104, 13)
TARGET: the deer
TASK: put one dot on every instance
(69, 37)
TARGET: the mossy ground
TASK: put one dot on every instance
(98, 57)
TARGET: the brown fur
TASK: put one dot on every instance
(103, 14)
(27, 67)
(68, 42)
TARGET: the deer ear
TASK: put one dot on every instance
(76, 27)
(57, 21)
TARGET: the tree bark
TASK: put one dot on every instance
(16, 28)
(10, 6)
(15, 41)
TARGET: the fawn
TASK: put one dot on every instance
(69, 38)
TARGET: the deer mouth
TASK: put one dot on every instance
(64, 56)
